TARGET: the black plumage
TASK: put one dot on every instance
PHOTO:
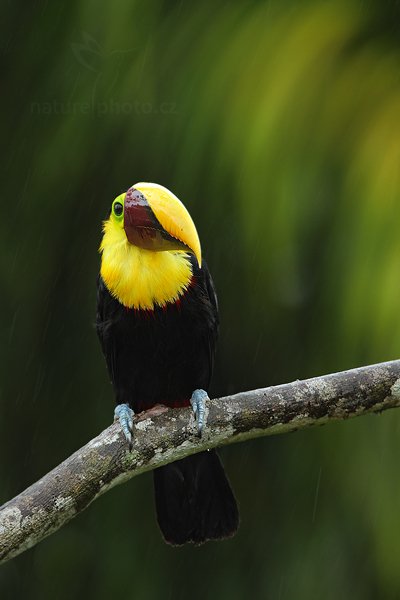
(161, 356)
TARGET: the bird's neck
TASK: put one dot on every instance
(140, 278)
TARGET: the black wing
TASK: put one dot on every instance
(203, 277)
(104, 317)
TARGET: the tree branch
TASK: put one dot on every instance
(163, 436)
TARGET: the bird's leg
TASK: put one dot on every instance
(124, 414)
(199, 408)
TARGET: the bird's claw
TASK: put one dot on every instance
(199, 408)
(124, 414)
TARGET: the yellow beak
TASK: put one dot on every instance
(171, 229)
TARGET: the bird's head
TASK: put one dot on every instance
(151, 217)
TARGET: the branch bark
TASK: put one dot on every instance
(163, 436)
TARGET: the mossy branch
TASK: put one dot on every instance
(163, 436)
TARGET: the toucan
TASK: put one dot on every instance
(157, 321)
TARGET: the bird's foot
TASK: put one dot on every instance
(199, 408)
(124, 414)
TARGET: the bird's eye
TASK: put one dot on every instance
(118, 209)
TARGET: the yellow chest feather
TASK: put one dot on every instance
(140, 278)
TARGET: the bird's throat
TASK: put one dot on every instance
(139, 278)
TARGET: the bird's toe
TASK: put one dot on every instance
(197, 401)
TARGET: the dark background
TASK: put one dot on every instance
(278, 125)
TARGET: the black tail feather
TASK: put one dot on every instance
(194, 500)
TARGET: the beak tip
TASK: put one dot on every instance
(197, 252)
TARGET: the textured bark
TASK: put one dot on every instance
(162, 436)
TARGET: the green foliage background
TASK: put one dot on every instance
(278, 125)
